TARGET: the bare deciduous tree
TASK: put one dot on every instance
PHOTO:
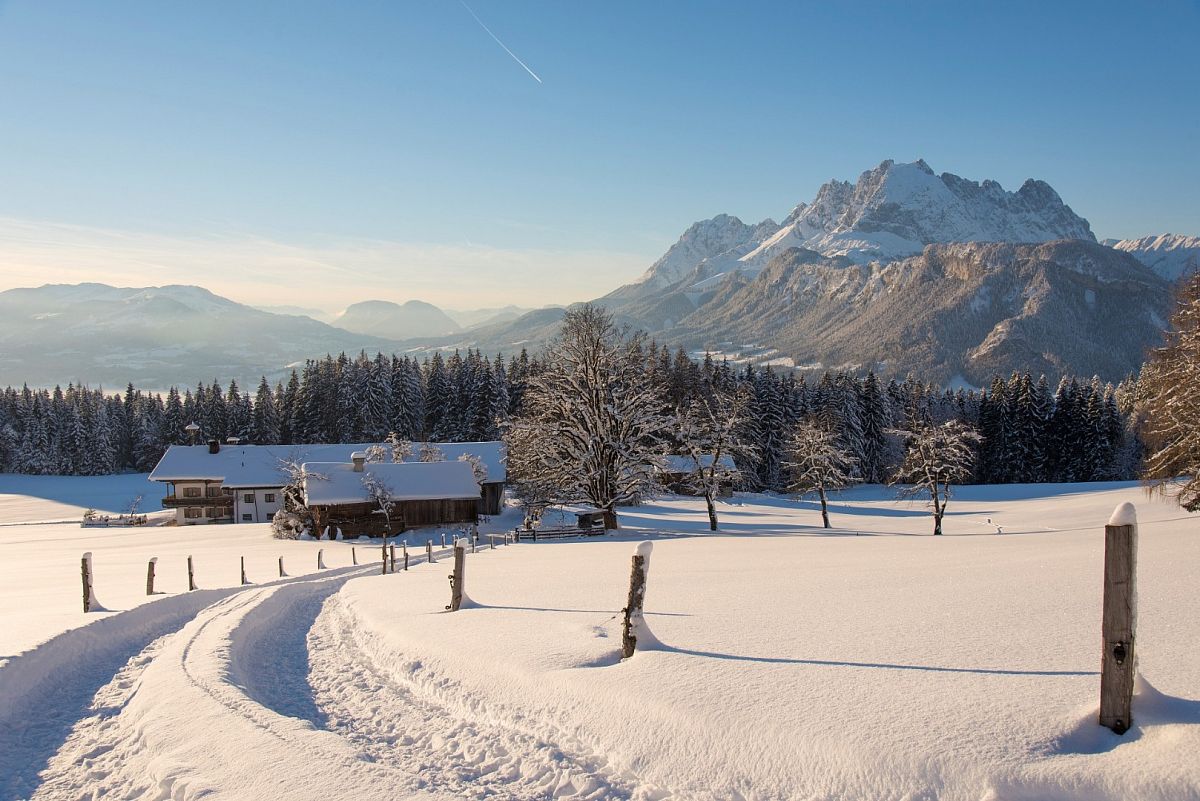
(709, 428)
(817, 463)
(593, 427)
(937, 457)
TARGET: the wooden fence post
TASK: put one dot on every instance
(89, 595)
(353, 555)
(150, 575)
(281, 573)
(429, 551)
(393, 550)
(443, 538)
(383, 554)
(458, 577)
(472, 539)
(244, 582)
(1118, 666)
(191, 575)
(633, 623)
(404, 546)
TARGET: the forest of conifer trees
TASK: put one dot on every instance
(1076, 431)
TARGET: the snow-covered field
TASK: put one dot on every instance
(872, 661)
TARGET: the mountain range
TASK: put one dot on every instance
(903, 271)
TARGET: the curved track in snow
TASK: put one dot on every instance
(276, 691)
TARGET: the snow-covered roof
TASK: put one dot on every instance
(407, 481)
(240, 466)
(684, 464)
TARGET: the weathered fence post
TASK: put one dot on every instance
(492, 542)
(321, 559)
(1118, 665)
(472, 539)
(458, 577)
(150, 575)
(191, 575)
(429, 551)
(89, 594)
(404, 547)
(383, 554)
(393, 552)
(633, 623)
(443, 538)
(281, 573)
(353, 555)
(244, 582)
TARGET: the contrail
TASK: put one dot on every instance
(497, 38)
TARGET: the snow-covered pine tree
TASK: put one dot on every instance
(1171, 403)
(264, 429)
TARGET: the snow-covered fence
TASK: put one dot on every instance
(1118, 666)
(458, 578)
(89, 591)
(150, 575)
(633, 624)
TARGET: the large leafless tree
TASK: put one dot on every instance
(593, 428)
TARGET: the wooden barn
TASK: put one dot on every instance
(678, 470)
(422, 494)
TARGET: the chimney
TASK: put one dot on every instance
(233, 441)
(214, 446)
(359, 458)
(192, 430)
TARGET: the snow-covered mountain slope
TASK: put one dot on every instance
(891, 212)
(153, 336)
(382, 318)
(722, 238)
(1172, 256)
(955, 311)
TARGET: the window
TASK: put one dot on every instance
(193, 512)
(247, 518)
(248, 497)
(269, 497)
(191, 492)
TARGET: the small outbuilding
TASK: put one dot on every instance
(677, 472)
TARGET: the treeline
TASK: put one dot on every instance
(1080, 431)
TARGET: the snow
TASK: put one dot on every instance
(36, 499)
(1124, 515)
(869, 661)
(260, 465)
(334, 483)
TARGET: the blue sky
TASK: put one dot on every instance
(264, 148)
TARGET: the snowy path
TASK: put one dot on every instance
(264, 684)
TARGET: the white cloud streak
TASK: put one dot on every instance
(328, 276)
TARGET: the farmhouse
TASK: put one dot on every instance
(233, 482)
(677, 471)
(415, 494)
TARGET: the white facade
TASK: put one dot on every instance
(256, 504)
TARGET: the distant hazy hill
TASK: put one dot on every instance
(317, 314)
(383, 318)
(152, 336)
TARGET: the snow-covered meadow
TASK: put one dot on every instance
(868, 661)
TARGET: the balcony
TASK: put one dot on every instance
(212, 498)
